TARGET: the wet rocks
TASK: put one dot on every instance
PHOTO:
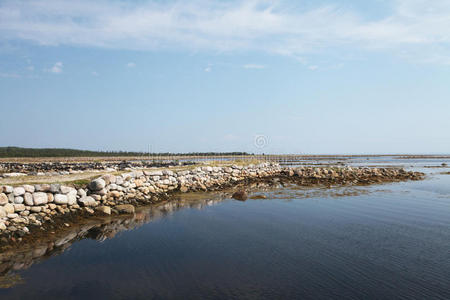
(38, 204)
(125, 209)
(104, 210)
(240, 195)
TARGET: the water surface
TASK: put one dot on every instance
(383, 241)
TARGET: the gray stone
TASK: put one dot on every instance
(40, 198)
(18, 191)
(42, 188)
(2, 226)
(87, 201)
(28, 199)
(18, 200)
(3, 199)
(61, 199)
(12, 216)
(97, 184)
(55, 188)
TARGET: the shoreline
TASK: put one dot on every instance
(27, 209)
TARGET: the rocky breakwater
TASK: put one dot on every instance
(32, 206)
(27, 207)
(348, 175)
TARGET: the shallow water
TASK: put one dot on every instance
(383, 241)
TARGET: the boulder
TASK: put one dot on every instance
(240, 195)
(97, 184)
(19, 207)
(125, 208)
(3, 199)
(2, 212)
(18, 191)
(28, 188)
(8, 189)
(66, 189)
(9, 208)
(40, 198)
(104, 209)
(18, 200)
(71, 198)
(60, 199)
(28, 197)
(87, 201)
(55, 188)
(81, 192)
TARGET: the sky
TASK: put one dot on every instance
(305, 76)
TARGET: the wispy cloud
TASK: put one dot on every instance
(93, 73)
(131, 65)
(415, 29)
(9, 75)
(253, 66)
(56, 69)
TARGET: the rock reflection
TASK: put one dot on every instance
(100, 229)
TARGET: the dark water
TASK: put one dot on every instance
(387, 242)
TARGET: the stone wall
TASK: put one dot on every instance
(29, 206)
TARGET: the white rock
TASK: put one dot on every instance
(71, 199)
(19, 191)
(8, 189)
(18, 200)
(40, 198)
(28, 199)
(28, 188)
(61, 199)
(81, 192)
(65, 189)
(87, 201)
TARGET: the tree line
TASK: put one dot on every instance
(6, 152)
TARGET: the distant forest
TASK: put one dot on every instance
(57, 152)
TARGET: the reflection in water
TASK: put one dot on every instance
(99, 229)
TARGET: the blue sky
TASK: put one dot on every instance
(309, 76)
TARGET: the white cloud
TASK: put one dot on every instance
(414, 29)
(9, 75)
(131, 65)
(30, 68)
(253, 66)
(208, 69)
(313, 68)
(94, 73)
(56, 69)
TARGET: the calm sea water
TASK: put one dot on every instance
(386, 241)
